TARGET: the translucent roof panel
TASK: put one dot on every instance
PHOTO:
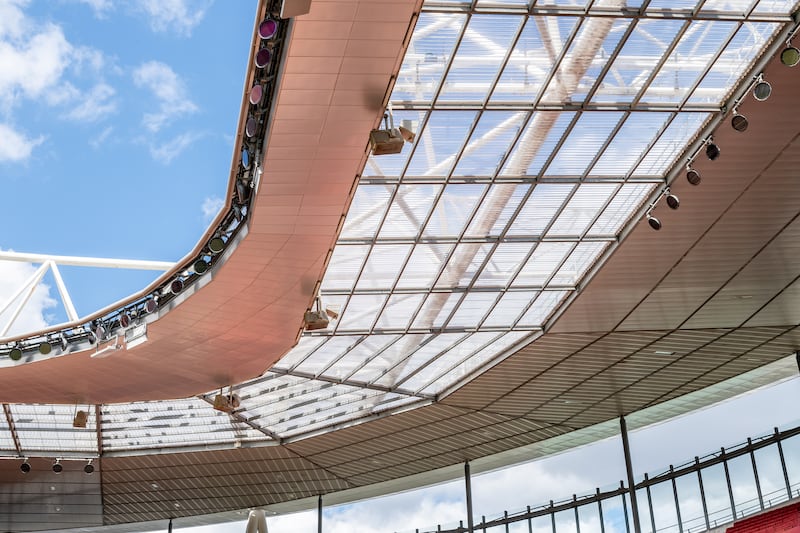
(42, 428)
(173, 423)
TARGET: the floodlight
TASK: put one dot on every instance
(712, 151)
(693, 176)
(256, 92)
(15, 354)
(174, 287)
(200, 266)
(62, 341)
(267, 28)
(251, 127)
(246, 159)
(407, 134)
(762, 90)
(227, 403)
(242, 191)
(216, 245)
(45, 348)
(124, 319)
(150, 305)
(673, 202)
(25, 467)
(316, 318)
(263, 57)
(654, 222)
(739, 122)
(57, 466)
(100, 331)
(89, 468)
(790, 56)
(81, 417)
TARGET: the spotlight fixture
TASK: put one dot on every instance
(200, 266)
(316, 318)
(100, 331)
(692, 176)
(15, 354)
(150, 305)
(267, 28)
(25, 467)
(790, 55)
(89, 468)
(251, 127)
(124, 319)
(739, 122)
(762, 90)
(256, 92)
(62, 342)
(672, 201)
(57, 466)
(216, 245)
(175, 286)
(246, 159)
(712, 150)
(81, 417)
(263, 57)
(654, 222)
(45, 348)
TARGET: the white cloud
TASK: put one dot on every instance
(168, 151)
(98, 141)
(100, 7)
(13, 275)
(179, 16)
(15, 146)
(168, 88)
(32, 66)
(96, 105)
(211, 207)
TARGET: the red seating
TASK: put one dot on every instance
(782, 520)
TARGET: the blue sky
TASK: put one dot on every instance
(117, 122)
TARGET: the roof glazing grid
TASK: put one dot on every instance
(541, 128)
(165, 424)
(48, 428)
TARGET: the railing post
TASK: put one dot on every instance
(319, 514)
(728, 481)
(650, 504)
(469, 496)
(626, 449)
(702, 491)
(675, 495)
(755, 473)
(625, 507)
(600, 511)
(783, 463)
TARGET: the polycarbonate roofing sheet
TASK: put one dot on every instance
(43, 428)
(542, 127)
(171, 423)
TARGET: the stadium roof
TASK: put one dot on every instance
(499, 293)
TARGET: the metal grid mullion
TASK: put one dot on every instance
(430, 360)
(710, 65)
(461, 361)
(309, 354)
(551, 106)
(614, 55)
(473, 240)
(367, 361)
(404, 360)
(603, 11)
(507, 178)
(355, 384)
(509, 51)
(424, 223)
(415, 145)
(664, 57)
(453, 290)
(337, 359)
(606, 144)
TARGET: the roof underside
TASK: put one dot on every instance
(494, 285)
